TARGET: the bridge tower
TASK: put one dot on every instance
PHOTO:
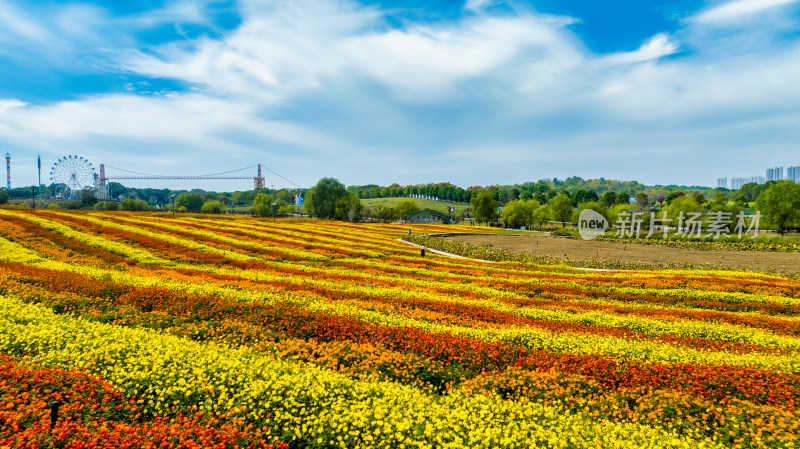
(258, 180)
(101, 184)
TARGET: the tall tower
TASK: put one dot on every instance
(258, 180)
(8, 171)
(101, 183)
(39, 163)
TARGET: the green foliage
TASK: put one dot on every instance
(740, 200)
(683, 204)
(561, 209)
(780, 205)
(519, 212)
(405, 208)
(541, 215)
(642, 200)
(384, 213)
(623, 198)
(132, 205)
(88, 198)
(597, 207)
(211, 207)
(725, 207)
(609, 199)
(584, 196)
(484, 206)
(106, 205)
(3, 197)
(349, 208)
(700, 198)
(615, 212)
(751, 191)
(671, 197)
(262, 205)
(191, 201)
(320, 200)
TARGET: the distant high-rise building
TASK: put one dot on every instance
(793, 173)
(722, 182)
(737, 183)
(775, 174)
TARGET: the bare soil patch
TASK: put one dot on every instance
(656, 255)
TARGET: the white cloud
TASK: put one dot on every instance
(479, 5)
(656, 47)
(738, 10)
(328, 87)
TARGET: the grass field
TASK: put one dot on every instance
(423, 204)
(230, 332)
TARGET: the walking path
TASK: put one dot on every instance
(436, 251)
(443, 253)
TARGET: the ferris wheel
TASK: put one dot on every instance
(75, 173)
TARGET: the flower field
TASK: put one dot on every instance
(235, 332)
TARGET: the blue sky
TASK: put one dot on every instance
(475, 93)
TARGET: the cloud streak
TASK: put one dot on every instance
(739, 10)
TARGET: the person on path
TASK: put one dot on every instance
(423, 250)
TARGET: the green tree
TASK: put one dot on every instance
(623, 198)
(518, 212)
(597, 207)
(780, 205)
(700, 198)
(541, 215)
(88, 198)
(262, 205)
(320, 200)
(484, 206)
(349, 208)
(751, 190)
(561, 209)
(132, 205)
(609, 199)
(191, 201)
(106, 205)
(3, 197)
(642, 200)
(740, 200)
(211, 207)
(723, 206)
(683, 204)
(405, 208)
(671, 197)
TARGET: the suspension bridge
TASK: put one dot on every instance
(110, 173)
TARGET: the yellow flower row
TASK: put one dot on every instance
(309, 255)
(529, 337)
(128, 251)
(169, 239)
(302, 403)
(574, 343)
